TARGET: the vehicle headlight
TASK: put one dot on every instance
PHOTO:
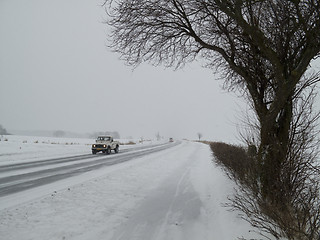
(93, 145)
(104, 146)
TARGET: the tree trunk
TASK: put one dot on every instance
(273, 151)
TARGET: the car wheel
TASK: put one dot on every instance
(94, 152)
(108, 150)
(116, 150)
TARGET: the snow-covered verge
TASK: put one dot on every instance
(170, 195)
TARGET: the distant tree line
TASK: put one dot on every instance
(59, 133)
(3, 131)
(114, 134)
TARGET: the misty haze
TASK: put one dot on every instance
(58, 75)
(159, 120)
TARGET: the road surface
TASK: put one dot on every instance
(169, 192)
(22, 176)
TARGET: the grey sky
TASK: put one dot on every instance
(56, 73)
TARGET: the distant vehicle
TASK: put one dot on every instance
(105, 144)
(170, 139)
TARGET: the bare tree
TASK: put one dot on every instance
(158, 136)
(262, 48)
(3, 131)
(199, 136)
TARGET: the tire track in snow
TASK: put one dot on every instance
(172, 206)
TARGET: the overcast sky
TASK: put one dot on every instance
(56, 73)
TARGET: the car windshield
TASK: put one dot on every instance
(103, 138)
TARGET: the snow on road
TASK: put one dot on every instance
(173, 194)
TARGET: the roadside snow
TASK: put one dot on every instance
(15, 149)
(173, 194)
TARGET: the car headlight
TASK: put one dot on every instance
(104, 146)
(93, 145)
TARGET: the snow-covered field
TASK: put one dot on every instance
(169, 195)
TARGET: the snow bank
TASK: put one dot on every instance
(15, 149)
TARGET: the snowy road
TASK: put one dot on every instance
(21, 176)
(173, 194)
